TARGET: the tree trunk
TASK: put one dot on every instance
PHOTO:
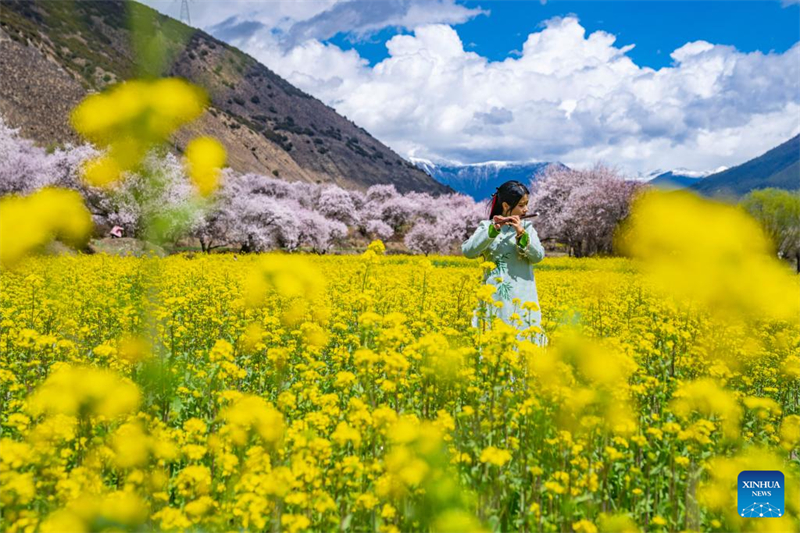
(247, 247)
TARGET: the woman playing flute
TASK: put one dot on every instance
(509, 241)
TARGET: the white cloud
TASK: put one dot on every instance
(565, 96)
(569, 96)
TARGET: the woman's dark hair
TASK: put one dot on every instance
(511, 192)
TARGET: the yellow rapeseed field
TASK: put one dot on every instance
(292, 393)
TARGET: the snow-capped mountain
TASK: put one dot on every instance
(480, 180)
(678, 178)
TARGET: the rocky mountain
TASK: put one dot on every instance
(779, 168)
(480, 180)
(54, 53)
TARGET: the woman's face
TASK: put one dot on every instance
(520, 209)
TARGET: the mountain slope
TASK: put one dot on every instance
(671, 181)
(779, 168)
(53, 53)
(481, 179)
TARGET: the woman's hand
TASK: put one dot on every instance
(499, 221)
(516, 223)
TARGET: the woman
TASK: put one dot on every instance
(514, 247)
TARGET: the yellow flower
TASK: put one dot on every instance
(205, 157)
(584, 526)
(613, 454)
(199, 507)
(194, 452)
(367, 500)
(27, 223)
(131, 445)
(121, 507)
(294, 522)
(195, 426)
(18, 421)
(132, 349)
(176, 99)
(693, 248)
(252, 414)
(194, 480)
(456, 521)
(790, 432)
(495, 456)
(133, 116)
(252, 337)
(291, 276)
(530, 306)
(171, 519)
(344, 433)
(17, 488)
(79, 391)
(101, 172)
(705, 397)
(150, 110)
(485, 293)
(388, 512)
(619, 523)
(377, 247)
(344, 380)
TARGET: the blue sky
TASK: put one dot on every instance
(641, 85)
(655, 27)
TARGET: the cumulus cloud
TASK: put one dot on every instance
(567, 96)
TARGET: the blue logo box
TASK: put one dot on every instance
(761, 494)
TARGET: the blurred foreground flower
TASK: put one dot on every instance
(709, 252)
(417, 463)
(131, 118)
(588, 381)
(253, 415)
(205, 157)
(704, 397)
(116, 511)
(85, 391)
(29, 222)
(290, 276)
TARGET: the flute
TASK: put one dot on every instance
(530, 215)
